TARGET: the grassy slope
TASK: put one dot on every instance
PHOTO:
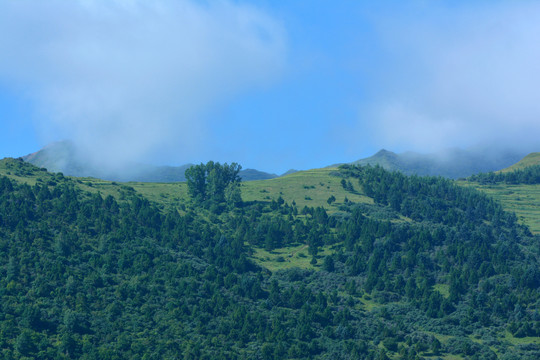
(306, 188)
(311, 188)
(524, 200)
(529, 160)
(18, 171)
(23, 172)
(167, 195)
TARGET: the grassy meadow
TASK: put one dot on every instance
(310, 188)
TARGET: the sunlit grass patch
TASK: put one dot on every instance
(521, 341)
(296, 256)
(443, 289)
(310, 188)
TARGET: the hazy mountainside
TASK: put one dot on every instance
(289, 172)
(252, 174)
(395, 267)
(60, 156)
(532, 159)
(64, 157)
(454, 163)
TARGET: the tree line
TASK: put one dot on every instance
(529, 175)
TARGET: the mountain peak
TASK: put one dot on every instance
(452, 163)
(384, 152)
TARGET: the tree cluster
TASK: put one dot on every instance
(214, 183)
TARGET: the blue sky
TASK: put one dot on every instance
(271, 85)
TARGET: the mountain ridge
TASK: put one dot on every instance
(65, 157)
(452, 163)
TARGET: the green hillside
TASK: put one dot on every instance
(310, 188)
(407, 267)
(306, 188)
(530, 160)
(516, 187)
(524, 200)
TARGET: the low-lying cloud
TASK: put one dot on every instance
(127, 78)
(460, 75)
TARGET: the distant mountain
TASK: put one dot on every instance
(453, 163)
(288, 172)
(252, 174)
(63, 156)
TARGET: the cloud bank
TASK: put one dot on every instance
(126, 79)
(459, 75)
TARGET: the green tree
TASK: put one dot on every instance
(196, 182)
(328, 264)
(24, 343)
(214, 183)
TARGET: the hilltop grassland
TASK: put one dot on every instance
(22, 172)
(310, 188)
(307, 188)
(530, 160)
(166, 195)
(26, 173)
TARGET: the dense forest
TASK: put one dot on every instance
(529, 175)
(429, 269)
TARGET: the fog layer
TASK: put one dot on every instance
(128, 79)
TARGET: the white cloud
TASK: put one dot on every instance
(461, 75)
(125, 78)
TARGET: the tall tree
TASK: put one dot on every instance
(214, 182)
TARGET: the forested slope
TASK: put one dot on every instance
(426, 269)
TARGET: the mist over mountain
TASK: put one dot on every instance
(452, 163)
(66, 157)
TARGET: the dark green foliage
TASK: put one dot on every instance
(214, 182)
(528, 175)
(331, 199)
(328, 264)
